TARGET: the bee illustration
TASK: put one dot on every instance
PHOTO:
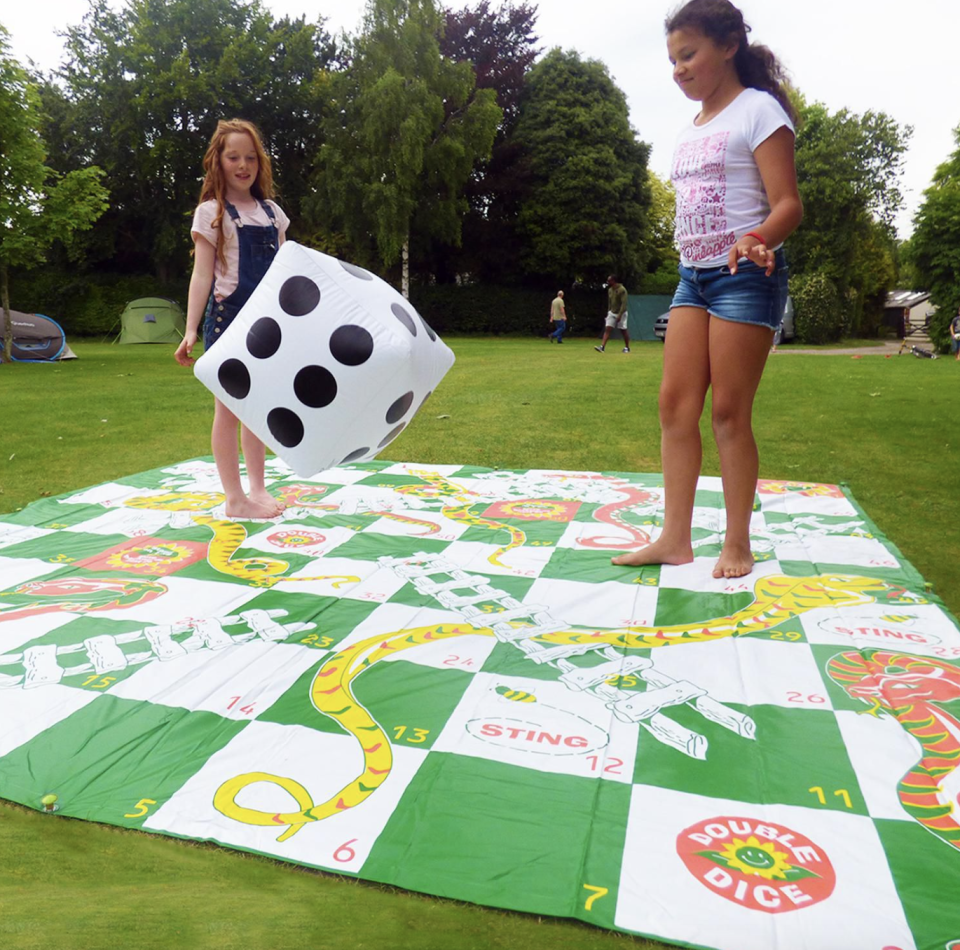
(515, 695)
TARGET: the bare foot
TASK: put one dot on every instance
(263, 497)
(656, 553)
(245, 508)
(735, 561)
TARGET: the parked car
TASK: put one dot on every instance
(660, 325)
(789, 329)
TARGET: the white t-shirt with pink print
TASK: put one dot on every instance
(720, 194)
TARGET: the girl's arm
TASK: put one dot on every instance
(200, 283)
(775, 161)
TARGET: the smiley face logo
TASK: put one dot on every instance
(759, 865)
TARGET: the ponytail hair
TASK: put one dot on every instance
(722, 22)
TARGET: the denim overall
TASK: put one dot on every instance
(258, 247)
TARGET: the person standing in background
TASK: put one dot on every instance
(558, 317)
(616, 313)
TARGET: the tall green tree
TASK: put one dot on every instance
(37, 206)
(934, 249)
(661, 276)
(406, 128)
(140, 94)
(849, 169)
(501, 45)
(585, 210)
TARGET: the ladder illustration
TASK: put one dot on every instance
(520, 624)
(105, 653)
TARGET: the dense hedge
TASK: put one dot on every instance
(90, 304)
(818, 311)
(485, 309)
(86, 304)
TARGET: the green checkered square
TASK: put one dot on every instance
(64, 546)
(793, 753)
(677, 607)
(410, 702)
(926, 872)
(111, 754)
(591, 567)
(453, 835)
(516, 587)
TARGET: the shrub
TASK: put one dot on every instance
(90, 304)
(492, 310)
(819, 313)
(663, 280)
(939, 327)
(87, 304)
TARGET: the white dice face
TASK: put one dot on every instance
(326, 363)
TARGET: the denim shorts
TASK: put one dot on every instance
(748, 296)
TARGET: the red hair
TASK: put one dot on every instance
(214, 187)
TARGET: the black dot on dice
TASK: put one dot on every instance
(286, 427)
(315, 386)
(399, 408)
(354, 455)
(427, 327)
(355, 271)
(263, 338)
(299, 295)
(235, 378)
(351, 345)
(404, 318)
(391, 435)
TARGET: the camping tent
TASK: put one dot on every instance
(37, 339)
(152, 320)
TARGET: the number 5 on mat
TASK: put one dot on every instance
(143, 805)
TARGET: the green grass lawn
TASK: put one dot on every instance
(881, 425)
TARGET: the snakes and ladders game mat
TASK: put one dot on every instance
(432, 676)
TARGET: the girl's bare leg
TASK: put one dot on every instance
(738, 353)
(226, 454)
(254, 455)
(686, 375)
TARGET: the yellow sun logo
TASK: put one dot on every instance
(155, 554)
(533, 509)
(752, 857)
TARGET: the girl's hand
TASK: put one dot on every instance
(182, 354)
(752, 250)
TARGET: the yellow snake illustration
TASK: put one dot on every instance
(261, 571)
(439, 487)
(177, 501)
(777, 599)
(228, 535)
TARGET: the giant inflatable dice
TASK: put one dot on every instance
(326, 363)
